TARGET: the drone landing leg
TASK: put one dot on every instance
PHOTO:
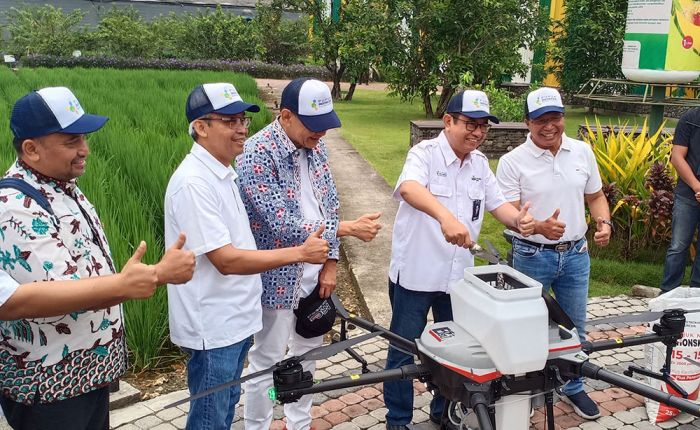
(351, 352)
(549, 404)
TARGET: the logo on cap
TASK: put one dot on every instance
(314, 105)
(74, 106)
(229, 93)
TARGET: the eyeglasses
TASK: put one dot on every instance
(471, 125)
(232, 122)
(548, 120)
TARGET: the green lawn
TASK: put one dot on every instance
(377, 125)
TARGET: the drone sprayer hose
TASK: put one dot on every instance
(480, 407)
(596, 372)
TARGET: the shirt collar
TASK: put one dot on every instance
(538, 152)
(447, 152)
(285, 145)
(221, 171)
(65, 186)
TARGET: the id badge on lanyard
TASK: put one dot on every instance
(476, 209)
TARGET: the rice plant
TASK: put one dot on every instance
(131, 160)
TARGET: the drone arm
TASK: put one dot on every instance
(394, 338)
(410, 371)
(602, 345)
(596, 372)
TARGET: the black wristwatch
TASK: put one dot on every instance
(610, 223)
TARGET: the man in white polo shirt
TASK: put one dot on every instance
(214, 316)
(444, 189)
(558, 176)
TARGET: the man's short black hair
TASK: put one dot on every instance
(17, 143)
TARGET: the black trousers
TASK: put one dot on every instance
(88, 411)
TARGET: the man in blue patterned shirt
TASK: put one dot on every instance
(289, 192)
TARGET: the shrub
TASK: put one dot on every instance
(503, 104)
(282, 41)
(217, 34)
(637, 183)
(43, 30)
(122, 32)
(256, 69)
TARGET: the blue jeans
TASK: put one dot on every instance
(207, 369)
(566, 273)
(409, 318)
(686, 218)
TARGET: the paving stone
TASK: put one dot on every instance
(351, 364)
(610, 422)
(684, 418)
(592, 425)
(318, 412)
(640, 411)
(646, 425)
(319, 398)
(321, 424)
(613, 406)
(368, 392)
(378, 427)
(616, 393)
(381, 354)
(338, 358)
(420, 417)
(277, 425)
(336, 369)
(321, 364)
(627, 417)
(351, 398)
(333, 405)
(365, 421)
(422, 400)
(321, 374)
(354, 411)
(630, 402)
(379, 414)
(623, 357)
(347, 426)
(608, 360)
(335, 418)
(372, 404)
(148, 422)
(124, 427)
(369, 349)
(158, 404)
(169, 414)
(599, 396)
(668, 424)
(628, 427)
(164, 426)
(128, 414)
(238, 425)
(180, 422)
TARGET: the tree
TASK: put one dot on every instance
(122, 32)
(43, 30)
(283, 41)
(436, 41)
(363, 41)
(590, 41)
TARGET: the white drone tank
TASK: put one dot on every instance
(510, 323)
(662, 41)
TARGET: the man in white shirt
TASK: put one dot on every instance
(214, 316)
(444, 189)
(558, 176)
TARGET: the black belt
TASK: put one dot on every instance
(559, 246)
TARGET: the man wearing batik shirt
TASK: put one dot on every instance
(289, 192)
(55, 370)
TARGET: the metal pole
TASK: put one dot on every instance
(656, 114)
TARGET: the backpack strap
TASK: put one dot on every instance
(27, 190)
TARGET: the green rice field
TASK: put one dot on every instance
(132, 158)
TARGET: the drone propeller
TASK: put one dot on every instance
(638, 317)
(320, 353)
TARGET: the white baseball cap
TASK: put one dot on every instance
(541, 101)
(311, 101)
(471, 103)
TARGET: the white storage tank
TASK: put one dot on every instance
(511, 323)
